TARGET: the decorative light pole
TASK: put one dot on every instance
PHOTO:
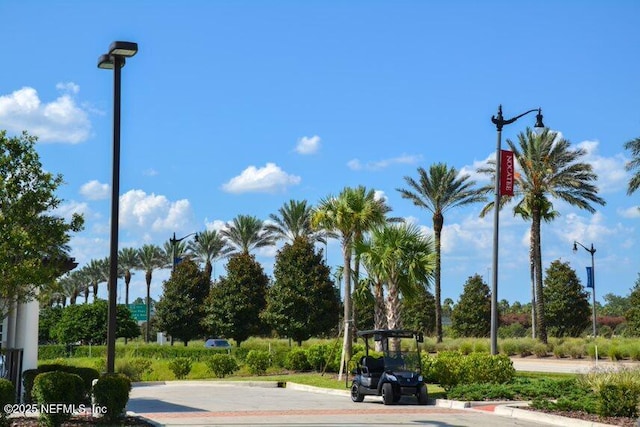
(115, 60)
(499, 121)
(174, 244)
(591, 279)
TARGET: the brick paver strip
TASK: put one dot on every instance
(298, 412)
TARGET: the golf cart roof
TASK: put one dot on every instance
(393, 333)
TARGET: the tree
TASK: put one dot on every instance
(369, 310)
(633, 164)
(402, 258)
(615, 306)
(633, 313)
(33, 248)
(180, 311)
(234, 304)
(246, 233)
(97, 271)
(353, 212)
(566, 301)
(440, 189)
(293, 221)
(418, 311)
(209, 247)
(302, 302)
(150, 257)
(48, 318)
(128, 260)
(471, 317)
(87, 323)
(548, 169)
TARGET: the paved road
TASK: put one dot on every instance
(202, 403)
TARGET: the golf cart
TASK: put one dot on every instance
(397, 373)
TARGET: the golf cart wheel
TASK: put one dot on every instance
(356, 396)
(423, 398)
(387, 394)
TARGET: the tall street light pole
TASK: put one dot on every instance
(174, 244)
(115, 60)
(591, 280)
(499, 121)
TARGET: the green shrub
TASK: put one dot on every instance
(465, 347)
(57, 387)
(221, 365)
(258, 361)
(618, 400)
(112, 392)
(560, 351)
(87, 375)
(452, 368)
(297, 360)
(509, 347)
(320, 357)
(525, 346)
(180, 366)
(133, 368)
(7, 396)
(614, 353)
(540, 350)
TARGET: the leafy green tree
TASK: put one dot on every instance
(615, 305)
(471, 317)
(634, 164)
(33, 248)
(418, 311)
(633, 313)
(438, 190)
(349, 215)
(548, 169)
(566, 301)
(208, 248)
(234, 304)
(367, 307)
(87, 323)
(302, 302)
(49, 317)
(180, 311)
(246, 233)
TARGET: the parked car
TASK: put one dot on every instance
(218, 344)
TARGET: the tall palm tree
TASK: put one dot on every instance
(97, 272)
(349, 215)
(634, 164)
(209, 247)
(128, 260)
(150, 257)
(548, 169)
(294, 220)
(401, 257)
(72, 284)
(246, 233)
(438, 190)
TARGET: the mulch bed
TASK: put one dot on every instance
(81, 421)
(614, 421)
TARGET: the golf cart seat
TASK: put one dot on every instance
(372, 365)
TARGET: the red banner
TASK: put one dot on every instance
(507, 173)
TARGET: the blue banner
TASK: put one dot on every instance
(589, 277)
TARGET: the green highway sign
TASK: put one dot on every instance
(139, 312)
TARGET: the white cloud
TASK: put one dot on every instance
(150, 172)
(216, 224)
(94, 190)
(61, 120)
(632, 212)
(150, 211)
(355, 164)
(308, 145)
(610, 170)
(379, 195)
(66, 210)
(269, 179)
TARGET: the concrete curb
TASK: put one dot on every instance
(314, 389)
(452, 404)
(263, 384)
(556, 420)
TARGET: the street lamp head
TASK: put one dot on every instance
(539, 124)
(575, 247)
(106, 62)
(126, 49)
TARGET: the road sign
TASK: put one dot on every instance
(139, 312)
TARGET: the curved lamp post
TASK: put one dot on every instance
(500, 121)
(115, 60)
(590, 280)
(174, 243)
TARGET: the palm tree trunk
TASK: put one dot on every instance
(533, 287)
(393, 312)
(438, 222)
(537, 254)
(379, 317)
(208, 269)
(346, 346)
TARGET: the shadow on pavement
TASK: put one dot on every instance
(149, 406)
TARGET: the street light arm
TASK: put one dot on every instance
(173, 240)
(499, 120)
(591, 250)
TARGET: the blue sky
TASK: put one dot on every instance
(236, 107)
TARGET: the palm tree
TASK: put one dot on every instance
(438, 190)
(401, 257)
(208, 248)
(72, 284)
(128, 260)
(548, 169)
(349, 215)
(246, 233)
(634, 164)
(97, 271)
(150, 257)
(294, 220)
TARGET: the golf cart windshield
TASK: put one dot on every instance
(402, 361)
